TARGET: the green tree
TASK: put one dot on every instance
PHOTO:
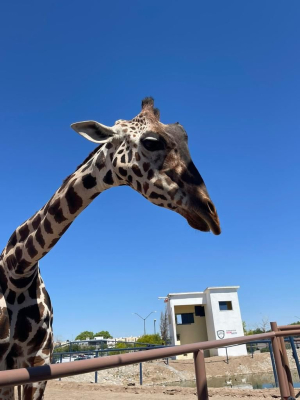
(164, 326)
(104, 334)
(84, 335)
(151, 339)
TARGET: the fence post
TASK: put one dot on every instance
(282, 380)
(295, 354)
(141, 373)
(285, 362)
(201, 381)
(273, 364)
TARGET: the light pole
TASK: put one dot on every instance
(144, 319)
(154, 327)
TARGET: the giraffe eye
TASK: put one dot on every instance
(152, 144)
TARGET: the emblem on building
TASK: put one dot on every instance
(221, 334)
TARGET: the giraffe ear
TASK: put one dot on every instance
(93, 131)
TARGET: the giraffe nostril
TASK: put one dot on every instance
(211, 207)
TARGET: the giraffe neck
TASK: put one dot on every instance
(36, 237)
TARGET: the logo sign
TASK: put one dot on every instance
(221, 334)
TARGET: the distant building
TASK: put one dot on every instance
(210, 315)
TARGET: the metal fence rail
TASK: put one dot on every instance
(47, 372)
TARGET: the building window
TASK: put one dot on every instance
(225, 305)
(199, 311)
(184, 319)
(178, 336)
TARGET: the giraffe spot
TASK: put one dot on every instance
(109, 146)
(155, 195)
(179, 202)
(139, 186)
(171, 207)
(11, 262)
(21, 282)
(11, 242)
(100, 163)
(129, 156)
(33, 290)
(115, 161)
(172, 193)
(150, 174)
(65, 229)
(38, 339)
(168, 181)
(47, 226)
(120, 151)
(137, 156)
(32, 251)
(53, 243)
(123, 159)
(129, 178)
(137, 171)
(23, 326)
(22, 265)
(11, 297)
(133, 128)
(108, 179)
(111, 156)
(18, 253)
(23, 232)
(94, 195)
(46, 207)
(21, 298)
(74, 201)
(122, 171)
(146, 187)
(88, 165)
(3, 280)
(39, 237)
(89, 181)
(158, 183)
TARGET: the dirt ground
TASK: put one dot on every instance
(85, 391)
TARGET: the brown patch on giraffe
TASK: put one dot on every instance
(146, 187)
(36, 361)
(123, 159)
(38, 340)
(39, 237)
(111, 156)
(34, 291)
(122, 171)
(23, 232)
(18, 253)
(109, 146)
(95, 195)
(11, 262)
(137, 171)
(23, 326)
(57, 212)
(53, 243)
(11, 297)
(129, 178)
(21, 298)
(29, 392)
(74, 201)
(154, 195)
(108, 179)
(89, 181)
(150, 174)
(22, 282)
(137, 156)
(158, 183)
(22, 265)
(129, 156)
(47, 226)
(115, 162)
(139, 186)
(32, 251)
(3, 280)
(4, 324)
(179, 202)
(36, 221)
(172, 193)
(12, 241)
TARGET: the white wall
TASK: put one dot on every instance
(229, 321)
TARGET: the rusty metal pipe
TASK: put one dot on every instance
(288, 327)
(47, 372)
(201, 380)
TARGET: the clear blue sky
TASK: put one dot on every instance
(229, 72)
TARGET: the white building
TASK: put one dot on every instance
(210, 315)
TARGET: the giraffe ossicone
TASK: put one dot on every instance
(152, 158)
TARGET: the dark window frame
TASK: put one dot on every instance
(186, 319)
(226, 304)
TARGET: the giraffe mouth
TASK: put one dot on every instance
(203, 223)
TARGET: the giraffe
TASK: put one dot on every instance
(152, 158)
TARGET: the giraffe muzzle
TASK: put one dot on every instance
(203, 217)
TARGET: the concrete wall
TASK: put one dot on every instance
(229, 321)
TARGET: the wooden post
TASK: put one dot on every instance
(201, 380)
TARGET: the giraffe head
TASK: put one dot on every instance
(154, 159)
